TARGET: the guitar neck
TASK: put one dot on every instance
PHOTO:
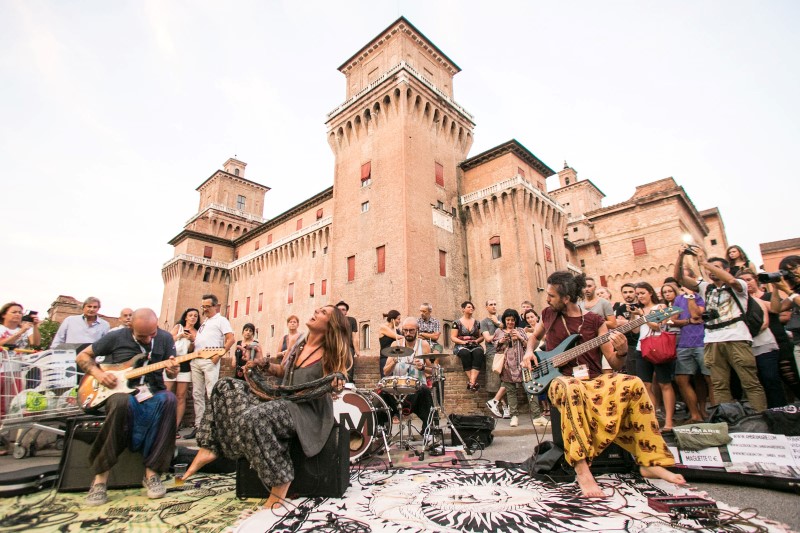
(138, 372)
(573, 353)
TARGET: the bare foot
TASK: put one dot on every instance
(203, 457)
(276, 506)
(659, 472)
(586, 481)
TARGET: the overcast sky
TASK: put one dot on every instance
(114, 112)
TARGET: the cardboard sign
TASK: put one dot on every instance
(704, 457)
(794, 442)
(760, 448)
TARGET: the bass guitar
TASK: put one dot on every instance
(92, 394)
(539, 377)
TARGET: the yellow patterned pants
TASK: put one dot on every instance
(610, 408)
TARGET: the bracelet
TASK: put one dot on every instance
(793, 296)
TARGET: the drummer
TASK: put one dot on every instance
(414, 366)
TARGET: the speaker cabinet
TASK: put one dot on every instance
(75, 473)
(326, 475)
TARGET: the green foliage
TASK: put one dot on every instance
(47, 329)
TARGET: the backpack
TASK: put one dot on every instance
(753, 315)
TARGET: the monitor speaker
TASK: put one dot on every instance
(75, 473)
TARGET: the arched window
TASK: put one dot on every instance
(364, 336)
(236, 172)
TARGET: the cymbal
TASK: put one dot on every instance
(396, 351)
(432, 355)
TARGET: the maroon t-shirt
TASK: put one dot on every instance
(588, 325)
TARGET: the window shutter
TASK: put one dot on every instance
(442, 263)
(366, 171)
(381, 256)
(639, 246)
(439, 174)
(495, 240)
(290, 297)
(351, 268)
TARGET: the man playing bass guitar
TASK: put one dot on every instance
(597, 406)
(144, 422)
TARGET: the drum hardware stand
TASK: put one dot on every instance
(400, 442)
(438, 411)
(382, 431)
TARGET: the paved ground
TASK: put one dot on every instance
(516, 445)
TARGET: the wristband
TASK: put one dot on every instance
(793, 296)
(690, 296)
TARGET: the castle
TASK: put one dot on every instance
(411, 218)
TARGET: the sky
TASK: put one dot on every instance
(112, 113)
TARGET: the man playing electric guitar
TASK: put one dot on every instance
(597, 406)
(144, 422)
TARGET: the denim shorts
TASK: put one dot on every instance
(690, 360)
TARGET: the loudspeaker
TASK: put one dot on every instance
(325, 475)
(75, 473)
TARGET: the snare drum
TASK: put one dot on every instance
(397, 385)
(363, 412)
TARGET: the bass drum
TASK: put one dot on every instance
(363, 413)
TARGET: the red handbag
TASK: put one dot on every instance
(660, 349)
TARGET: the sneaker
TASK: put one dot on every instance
(155, 489)
(493, 407)
(97, 495)
(541, 421)
(514, 422)
(506, 412)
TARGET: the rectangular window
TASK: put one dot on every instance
(520, 171)
(319, 214)
(439, 169)
(269, 239)
(494, 244)
(260, 301)
(380, 253)
(548, 253)
(290, 296)
(272, 330)
(442, 263)
(713, 242)
(311, 290)
(351, 268)
(235, 308)
(325, 250)
(227, 311)
(240, 200)
(247, 306)
(207, 252)
(299, 224)
(583, 263)
(603, 281)
(324, 288)
(574, 229)
(366, 173)
(258, 245)
(597, 248)
(364, 207)
(639, 246)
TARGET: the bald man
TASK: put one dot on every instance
(142, 422)
(125, 319)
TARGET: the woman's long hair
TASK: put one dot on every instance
(674, 287)
(182, 321)
(649, 288)
(336, 344)
(5, 309)
(742, 256)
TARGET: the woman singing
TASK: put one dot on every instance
(239, 424)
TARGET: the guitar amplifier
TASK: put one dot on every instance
(75, 473)
(326, 475)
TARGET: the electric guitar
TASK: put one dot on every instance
(92, 394)
(539, 377)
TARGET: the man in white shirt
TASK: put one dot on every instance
(82, 329)
(125, 319)
(727, 339)
(214, 332)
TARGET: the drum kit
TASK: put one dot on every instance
(369, 419)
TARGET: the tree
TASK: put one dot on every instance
(47, 329)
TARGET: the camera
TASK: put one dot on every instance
(691, 249)
(30, 316)
(709, 314)
(772, 277)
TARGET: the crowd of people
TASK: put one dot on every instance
(606, 395)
